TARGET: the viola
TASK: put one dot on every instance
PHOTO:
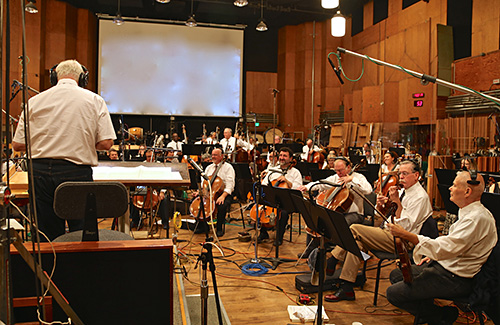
(404, 262)
(338, 198)
(209, 206)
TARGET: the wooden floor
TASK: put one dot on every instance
(264, 299)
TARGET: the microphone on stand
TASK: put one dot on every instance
(15, 83)
(337, 71)
(197, 167)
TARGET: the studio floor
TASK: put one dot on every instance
(264, 299)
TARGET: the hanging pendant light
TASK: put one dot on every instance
(191, 22)
(338, 25)
(31, 7)
(163, 1)
(240, 3)
(118, 20)
(330, 4)
(261, 25)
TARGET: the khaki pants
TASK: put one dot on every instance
(367, 238)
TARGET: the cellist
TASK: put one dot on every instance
(223, 202)
(413, 209)
(343, 176)
(289, 177)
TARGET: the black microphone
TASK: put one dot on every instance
(197, 167)
(14, 86)
(337, 71)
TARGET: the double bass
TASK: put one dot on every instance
(209, 197)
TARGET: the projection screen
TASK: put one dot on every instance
(165, 69)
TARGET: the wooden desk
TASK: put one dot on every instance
(120, 282)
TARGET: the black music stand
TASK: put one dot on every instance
(330, 225)
(317, 174)
(279, 198)
(243, 184)
(198, 149)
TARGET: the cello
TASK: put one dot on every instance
(209, 197)
(338, 198)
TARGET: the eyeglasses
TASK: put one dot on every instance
(405, 173)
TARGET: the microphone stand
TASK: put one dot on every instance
(257, 191)
(206, 258)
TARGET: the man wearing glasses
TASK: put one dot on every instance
(413, 209)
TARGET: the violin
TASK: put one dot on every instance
(338, 198)
(209, 206)
(404, 262)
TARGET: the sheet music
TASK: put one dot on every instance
(102, 173)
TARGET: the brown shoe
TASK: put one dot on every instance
(340, 294)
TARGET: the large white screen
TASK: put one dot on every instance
(152, 68)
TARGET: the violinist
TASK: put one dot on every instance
(309, 149)
(390, 162)
(451, 261)
(292, 178)
(414, 208)
(223, 202)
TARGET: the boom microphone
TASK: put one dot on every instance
(337, 71)
(197, 167)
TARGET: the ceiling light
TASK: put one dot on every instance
(338, 25)
(240, 3)
(118, 20)
(329, 4)
(261, 25)
(191, 22)
(163, 1)
(30, 7)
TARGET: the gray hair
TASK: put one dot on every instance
(69, 69)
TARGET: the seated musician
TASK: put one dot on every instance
(390, 163)
(451, 261)
(213, 138)
(176, 145)
(113, 154)
(309, 149)
(203, 140)
(223, 202)
(330, 160)
(229, 143)
(467, 163)
(413, 210)
(367, 152)
(290, 176)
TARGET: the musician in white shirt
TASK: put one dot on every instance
(229, 143)
(309, 149)
(293, 179)
(175, 145)
(446, 265)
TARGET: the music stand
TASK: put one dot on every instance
(279, 198)
(243, 184)
(330, 225)
(198, 149)
(317, 174)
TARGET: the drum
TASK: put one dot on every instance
(258, 137)
(135, 133)
(270, 133)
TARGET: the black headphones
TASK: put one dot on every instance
(83, 79)
(344, 159)
(473, 177)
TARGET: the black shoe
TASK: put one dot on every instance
(278, 243)
(220, 233)
(341, 294)
(262, 236)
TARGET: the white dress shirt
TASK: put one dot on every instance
(306, 149)
(293, 175)
(359, 181)
(416, 208)
(467, 246)
(229, 145)
(226, 173)
(66, 122)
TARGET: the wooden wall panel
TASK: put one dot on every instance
(259, 94)
(390, 107)
(371, 111)
(477, 72)
(485, 26)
